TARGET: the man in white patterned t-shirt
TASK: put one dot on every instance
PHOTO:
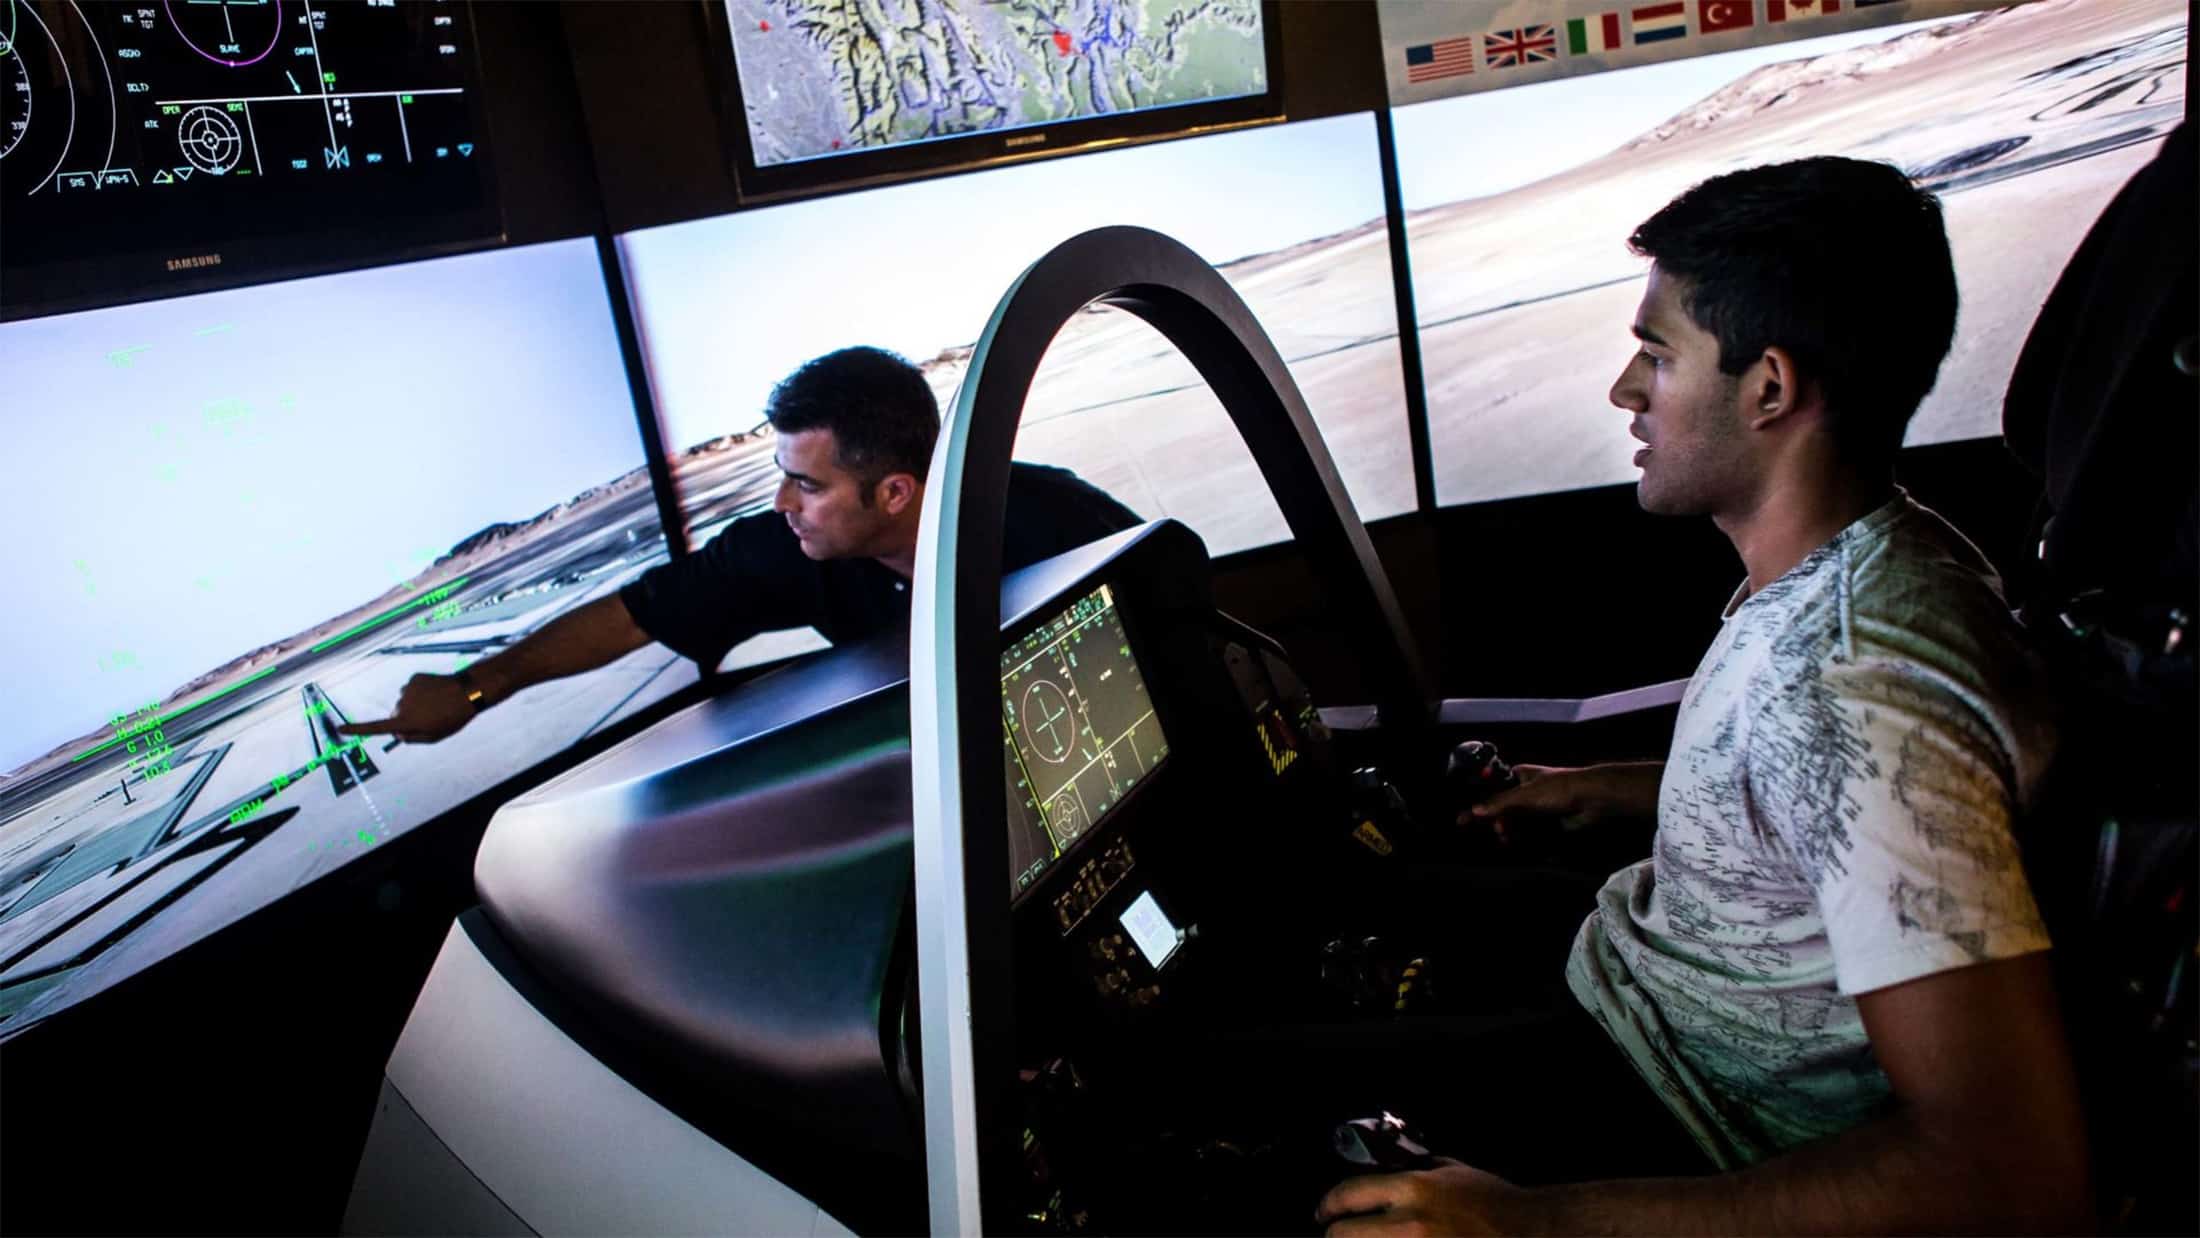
(1831, 969)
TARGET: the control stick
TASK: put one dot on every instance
(1385, 1144)
(1476, 772)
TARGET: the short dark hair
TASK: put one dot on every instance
(882, 413)
(1842, 262)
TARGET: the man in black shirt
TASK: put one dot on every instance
(855, 432)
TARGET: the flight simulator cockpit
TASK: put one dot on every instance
(722, 907)
(720, 912)
(360, 344)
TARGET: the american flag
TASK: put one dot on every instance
(1425, 62)
(1502, 49)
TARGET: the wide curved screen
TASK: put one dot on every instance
(2024, 120)
(249, 517)
(1292, 215)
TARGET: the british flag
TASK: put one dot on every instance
(1503, 49)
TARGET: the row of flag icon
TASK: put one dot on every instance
(1597, 33)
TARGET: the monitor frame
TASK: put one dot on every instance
(865, 169)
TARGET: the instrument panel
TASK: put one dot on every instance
(1078, 731)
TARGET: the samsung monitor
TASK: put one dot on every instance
(829, 94)
(156, 147)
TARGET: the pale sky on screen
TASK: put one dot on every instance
(1476, 145)
(729, 305)
(191, 478)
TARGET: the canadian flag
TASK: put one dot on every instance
(1797, 10)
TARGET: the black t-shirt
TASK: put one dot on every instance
(753, 576)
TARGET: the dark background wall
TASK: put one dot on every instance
(229, 1090)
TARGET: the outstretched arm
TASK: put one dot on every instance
(432, 707)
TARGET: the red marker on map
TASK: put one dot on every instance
(1061, 41)
(764, 26)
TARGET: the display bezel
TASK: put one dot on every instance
(754, 183)
(1108, 820)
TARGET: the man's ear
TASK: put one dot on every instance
(1774, 390)
(896, 491)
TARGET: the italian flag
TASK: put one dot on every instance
(1593, 34)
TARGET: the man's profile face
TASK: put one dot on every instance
(1695, 460)
(823, 502)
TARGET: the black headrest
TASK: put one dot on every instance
(2102, 406)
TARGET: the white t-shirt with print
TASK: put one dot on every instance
(1835, 817)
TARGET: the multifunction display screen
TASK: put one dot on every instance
(1077, 731)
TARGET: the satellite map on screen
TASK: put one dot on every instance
(828, 77)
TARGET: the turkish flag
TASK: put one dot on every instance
(1712, 16)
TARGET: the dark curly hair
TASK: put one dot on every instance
(1842, 262)
(882, 413)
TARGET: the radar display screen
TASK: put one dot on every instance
(1077, 731)
(148, 142)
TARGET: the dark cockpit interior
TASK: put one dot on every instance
(1129, 889)
(1190, 863)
